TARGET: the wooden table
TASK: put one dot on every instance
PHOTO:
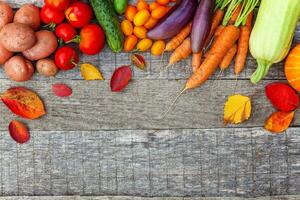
(99, 143)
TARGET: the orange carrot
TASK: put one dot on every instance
(219, 29)
(181, 52)
(218, 50)
(243, 45)
(196, 60)
(235, 14)
(179, 38)
(228, 57)
(216, 21)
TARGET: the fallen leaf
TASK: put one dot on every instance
(237, 109)
(282, 96)
(61, 90)
(23, 102)
(139, 61)
(90, 72)
(279, 121)
(120, 78)
(18, 131)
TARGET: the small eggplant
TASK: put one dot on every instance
(173, 23)
(201, 24)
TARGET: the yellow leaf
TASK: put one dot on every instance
(90, 72)
(237, 109)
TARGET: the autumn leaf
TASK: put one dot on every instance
(237, 109)
(90, 72)
(139, 61)
(18, 131)
(279, 121)
(23, 102)
(120, 78)
(61, 90)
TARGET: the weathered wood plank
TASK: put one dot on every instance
(291, 197)
(188, 162)
(94, 107)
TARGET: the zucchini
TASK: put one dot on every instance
(272, 34)
(107, 18)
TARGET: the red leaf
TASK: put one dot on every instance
(18, 131)
(61, 90)
(23, 102)
(120, 78)
(282, 96)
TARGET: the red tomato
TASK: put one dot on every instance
(65, 31)
(92, 39)
(66, 58)
(59, 5)
(48, 15)
(79, 14)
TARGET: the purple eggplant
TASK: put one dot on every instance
(201, 24)
(173, 23)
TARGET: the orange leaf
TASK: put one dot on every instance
(23, 102)
(279, 121)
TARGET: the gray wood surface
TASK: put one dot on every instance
(176, 163)
(290, 197)
(94, 107)
(99, 143)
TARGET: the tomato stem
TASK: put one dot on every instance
(75, 40)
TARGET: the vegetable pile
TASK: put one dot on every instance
(215, 33)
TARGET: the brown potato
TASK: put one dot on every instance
(4, 55)
(17, 37)
(19, 69)
(45, 46)
(6, 14)
(46, 67)
(29, 14)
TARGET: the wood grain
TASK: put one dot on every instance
(291, 197)
(101, 143)
(141, 106)
(241, 162)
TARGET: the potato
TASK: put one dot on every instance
(6, 14)
(17, 37)
(46, 67)
(45, 46)
(4, 55)
(29, 14)
(19, 69)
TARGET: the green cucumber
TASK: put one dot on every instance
(120, 6)
(107, 18)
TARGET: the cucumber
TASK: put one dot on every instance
(107, 18)
(120, 6)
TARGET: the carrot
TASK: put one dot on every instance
(181, 52)
(217, 52)
(196, 61)
(219, 29)
(243, 45)
(217, 18)
(235, 14)
(228, 57)
(179, 38)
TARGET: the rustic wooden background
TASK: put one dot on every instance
(99, 143)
